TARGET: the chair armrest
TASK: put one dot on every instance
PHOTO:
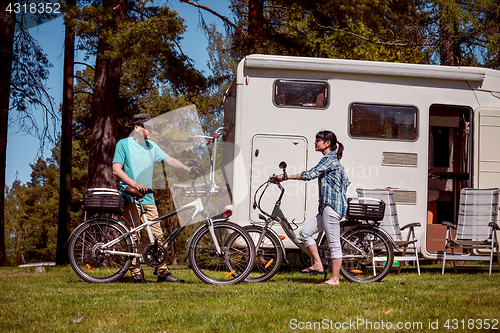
(494, 225)
(411, 225)
(449, 224)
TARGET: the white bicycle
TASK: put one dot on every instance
(101, 249)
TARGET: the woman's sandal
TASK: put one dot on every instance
(313, 272)
(327, 284)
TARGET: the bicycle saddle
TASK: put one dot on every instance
(136, 193)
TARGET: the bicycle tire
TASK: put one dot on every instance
(268, 258)
(86, 256)
(231, 266)
(371, 264)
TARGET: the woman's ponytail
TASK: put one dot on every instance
(340, 150)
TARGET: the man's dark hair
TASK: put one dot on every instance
(141, 119)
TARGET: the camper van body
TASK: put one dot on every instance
(425, 131)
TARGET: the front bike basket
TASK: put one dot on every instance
(365, 209)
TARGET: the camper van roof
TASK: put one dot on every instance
(471, 74)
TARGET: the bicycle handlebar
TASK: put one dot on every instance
(272, 180)
(208, 138)
(196, 168)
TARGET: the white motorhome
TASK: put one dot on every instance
(425, 131)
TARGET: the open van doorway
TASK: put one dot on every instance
(450, 168)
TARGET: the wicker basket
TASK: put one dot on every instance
(103, 200)
(365, 210)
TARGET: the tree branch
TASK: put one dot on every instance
(370, 39)
(82, 63)
(82, 79)
(218, 15)
(83, 92)
(293, 9)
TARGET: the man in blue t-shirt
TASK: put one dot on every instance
(133, 166)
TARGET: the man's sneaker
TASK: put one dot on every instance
(139, 278)
(169, 278)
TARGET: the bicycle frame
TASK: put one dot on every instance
(278, 216)
(197, 208)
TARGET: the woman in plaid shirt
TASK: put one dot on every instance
(333, 183)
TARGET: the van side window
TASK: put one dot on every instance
(390, 122)
(308, 94)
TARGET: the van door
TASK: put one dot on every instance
(487, 154)
(267, 153)
(449, 157)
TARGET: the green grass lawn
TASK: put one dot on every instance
(58, 301)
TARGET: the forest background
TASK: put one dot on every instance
(134, 63)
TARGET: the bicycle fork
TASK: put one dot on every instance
(214, 238)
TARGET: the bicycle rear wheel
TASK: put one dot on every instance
(87, 255)
(268, 257)
(234, 262)
(367, 255)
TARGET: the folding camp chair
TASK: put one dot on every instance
(390, 224)
(476, 227)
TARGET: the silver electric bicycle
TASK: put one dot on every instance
(367, 250)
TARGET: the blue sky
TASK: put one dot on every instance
(22, 148)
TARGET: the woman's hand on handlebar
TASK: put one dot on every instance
(283, 177)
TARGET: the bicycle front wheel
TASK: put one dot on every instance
(88, 256)
(367, 255)
(229, 266)
(268, 257)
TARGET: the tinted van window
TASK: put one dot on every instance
(307, 94)
(392, 122)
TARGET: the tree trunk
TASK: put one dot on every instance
(66, 145)
(7, 26)
(105, 104)
(255, 24)
(449, 49)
